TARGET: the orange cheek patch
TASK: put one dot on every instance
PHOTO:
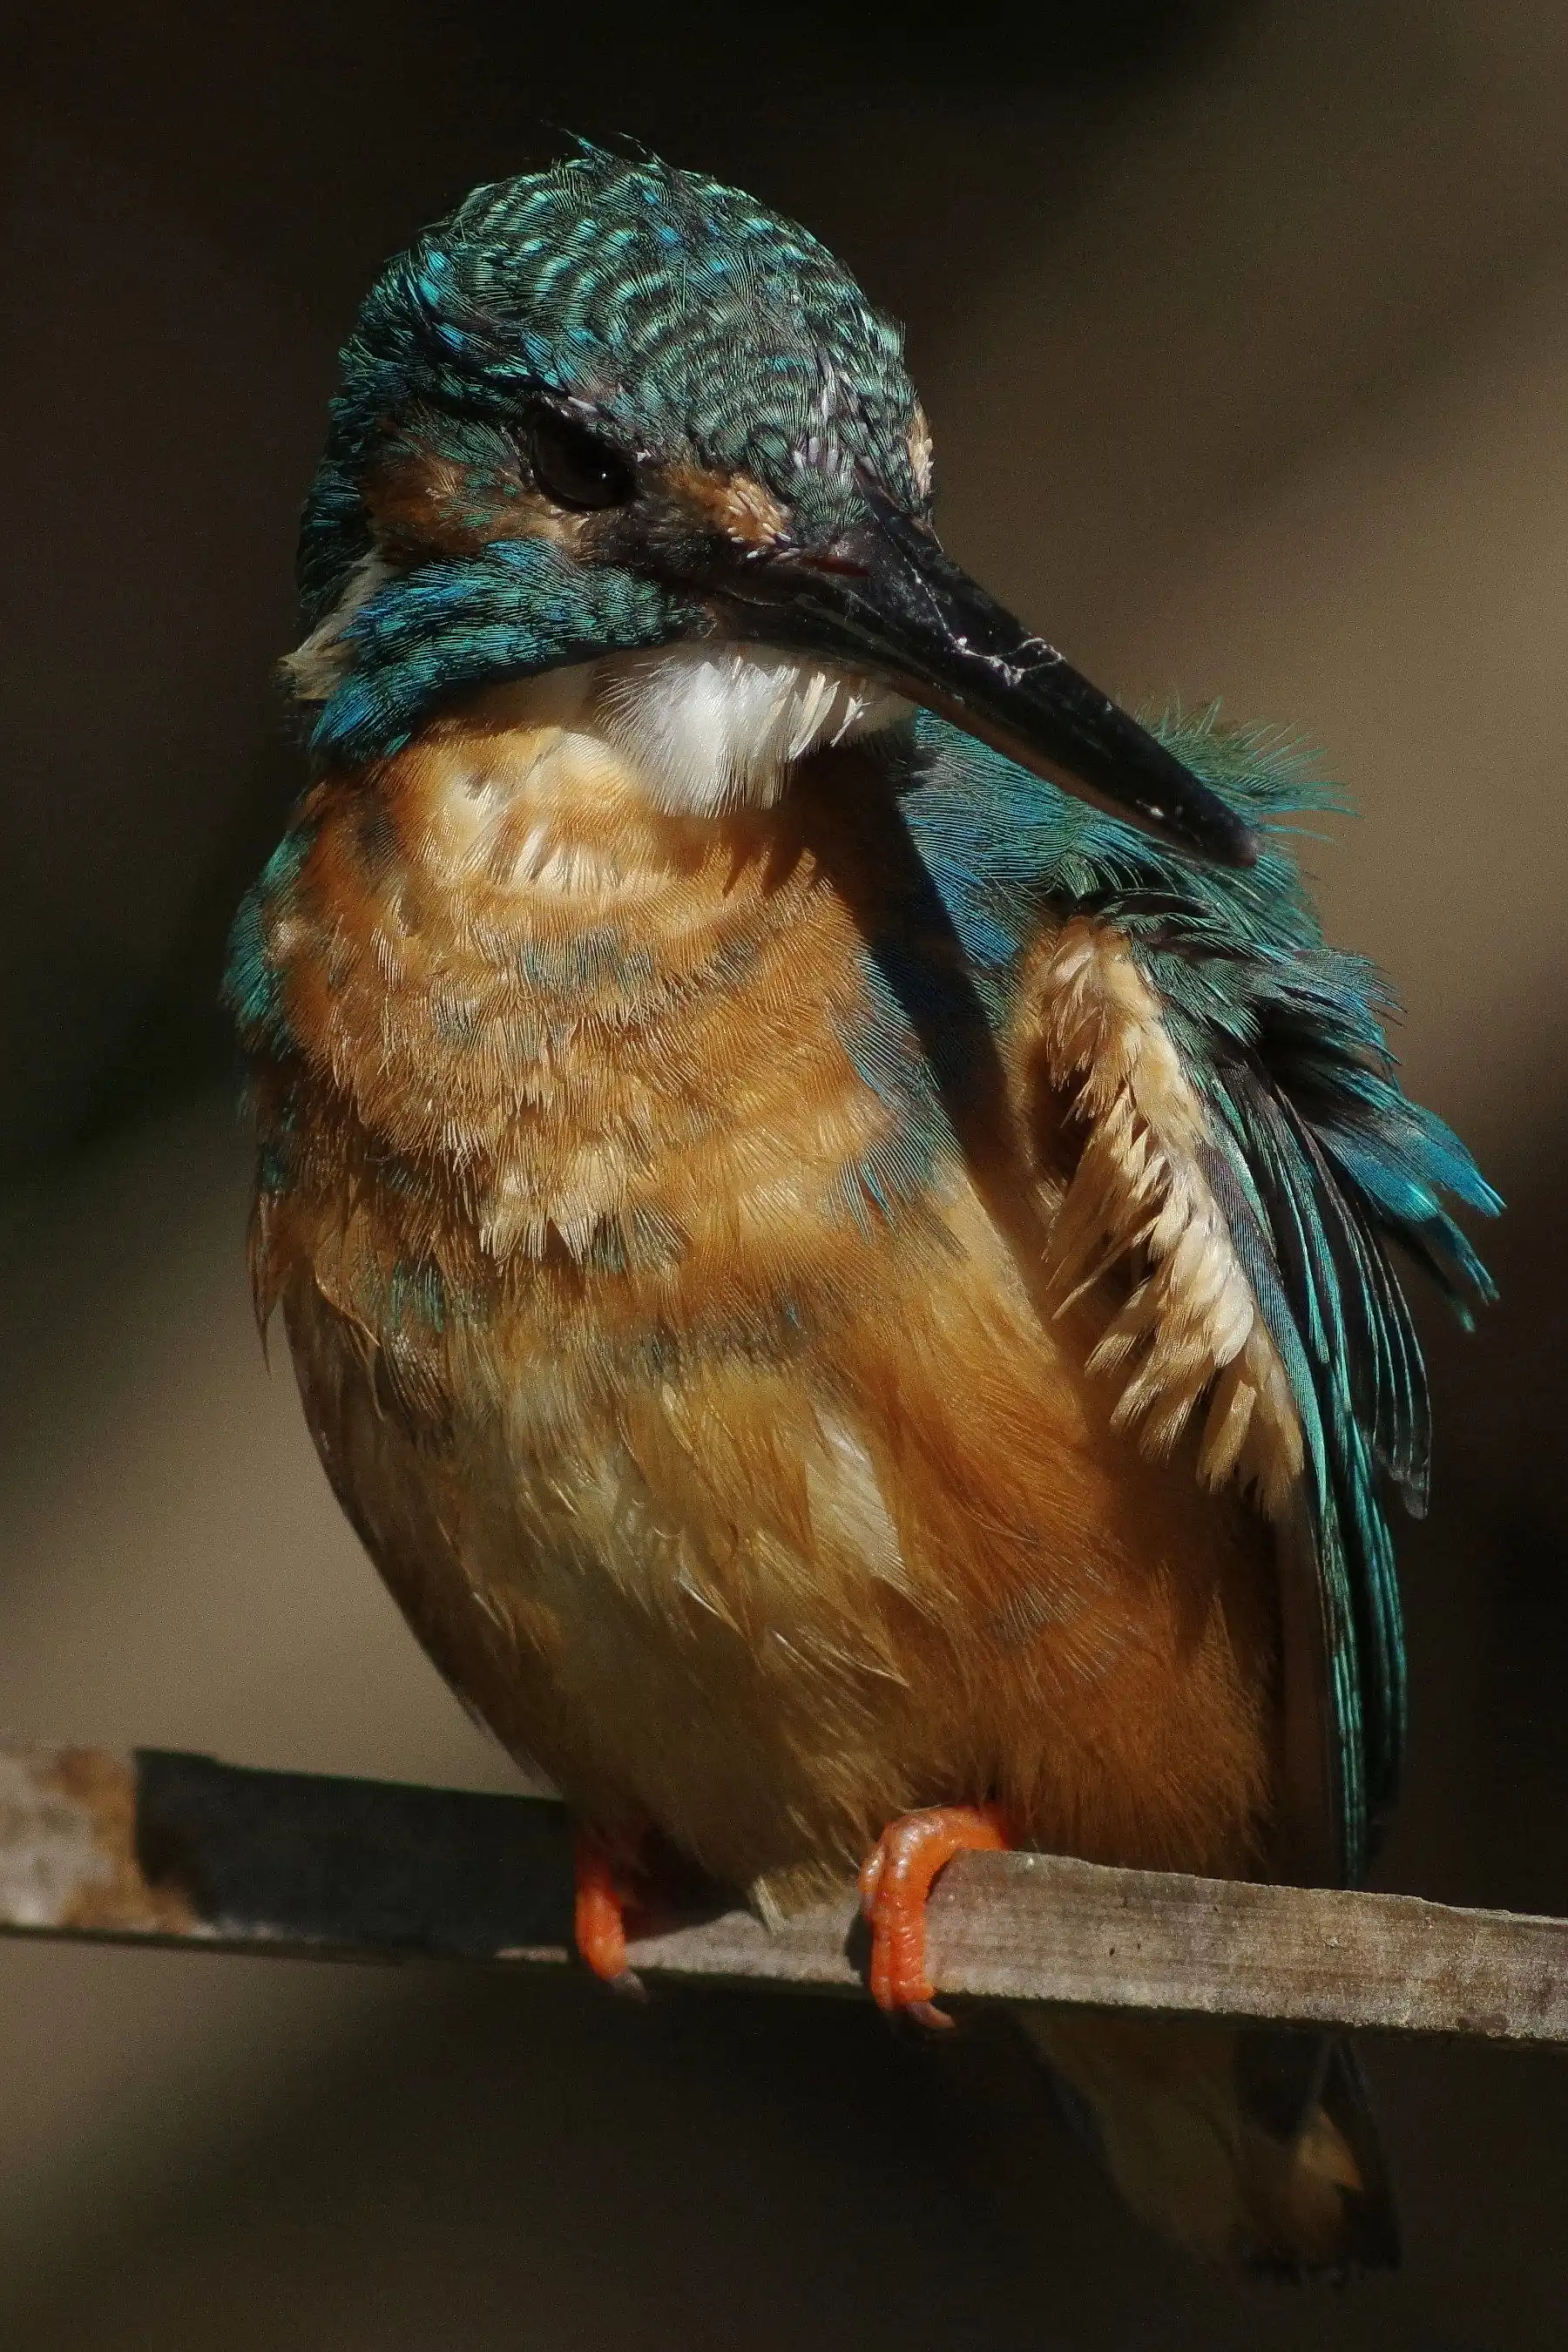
(921, 451)
(736, 504)
(421, 503)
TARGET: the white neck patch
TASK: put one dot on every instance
(702, 727)
(710, 727)
(318, 668)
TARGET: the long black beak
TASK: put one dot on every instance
(887, 598)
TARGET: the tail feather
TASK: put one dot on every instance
(1256, 2148)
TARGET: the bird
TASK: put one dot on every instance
(833, 1211)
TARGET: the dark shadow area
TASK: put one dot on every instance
(539, 2164)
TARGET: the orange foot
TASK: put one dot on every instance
(896, 1879)
(604, 1893)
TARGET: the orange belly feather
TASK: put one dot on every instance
(743, 1504)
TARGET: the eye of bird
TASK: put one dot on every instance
(574, 467)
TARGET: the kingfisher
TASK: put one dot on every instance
(833, 1209)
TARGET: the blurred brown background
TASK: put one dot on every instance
(1242, 326)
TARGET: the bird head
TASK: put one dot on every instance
(613, 406)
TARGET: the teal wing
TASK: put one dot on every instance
(1323, 1164)
(1325, 1169)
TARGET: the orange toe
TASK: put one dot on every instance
(897, 1878)
(600, 1911)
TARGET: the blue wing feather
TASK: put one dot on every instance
(1323, 1165)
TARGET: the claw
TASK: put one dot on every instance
(896, 1879)
(603, 1898)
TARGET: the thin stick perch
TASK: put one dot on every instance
(154, 1847)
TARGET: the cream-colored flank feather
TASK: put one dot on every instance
(1139, 1201)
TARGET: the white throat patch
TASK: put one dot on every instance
(702, 727)
(709, 727)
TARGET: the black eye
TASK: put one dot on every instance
(574, 467)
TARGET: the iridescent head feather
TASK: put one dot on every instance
(614, 405)
(687, 317)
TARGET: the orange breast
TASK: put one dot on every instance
(744, 1497)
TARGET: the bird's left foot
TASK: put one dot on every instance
(897, 1878)
(605, 1893)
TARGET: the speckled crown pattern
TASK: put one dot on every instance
(681, 310)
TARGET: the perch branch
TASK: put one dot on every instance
(157, 1848)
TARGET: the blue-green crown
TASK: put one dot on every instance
(688, 315)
